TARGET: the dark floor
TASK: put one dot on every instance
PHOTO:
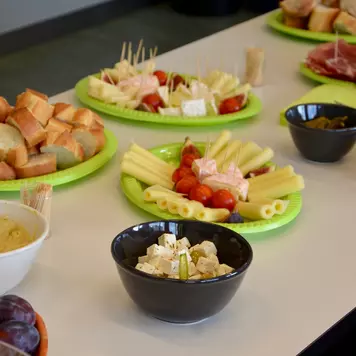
(56, 66)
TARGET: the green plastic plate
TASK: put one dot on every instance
(133, 189)
(275, 20)
(307, 72)
(253, 107)
(71, 174)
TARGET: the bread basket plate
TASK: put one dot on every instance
(307, 72)
(70, 174)
(252, 108)
(275, 20)
(133, 189)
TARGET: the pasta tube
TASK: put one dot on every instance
(151, 157)
(212, 215)
(141, 174)
(284, 172)
(189, 209)
(257, 161)
(248, 150)
(278, 189)
(279, 205)
(219, 144)
(156, 192)
(227, 154)
(174, 204)
(162, 203)
(255, 211)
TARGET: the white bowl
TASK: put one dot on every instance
(14, 265)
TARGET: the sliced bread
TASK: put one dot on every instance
(37, 93)
(37, 165)
(5, 109)
(84, 117)
(26, 123)
(17, 156)
(56, 125)
(6, 172)
(10, 137)
(345, 23)
(322, 19)
(295, 22)
(33, 150)
(297, 8)
(92, 140)
(64, 112)
(68, 151)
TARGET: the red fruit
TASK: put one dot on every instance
(229, 106)
(161, 76)
(181, 172)
(263, 170)
(188, 159)
(177, 79)
(201, 193)
(189, 147)
(185, 185)
(223, 199)
(153, 101)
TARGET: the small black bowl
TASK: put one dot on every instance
(174, 300)
(321, 145)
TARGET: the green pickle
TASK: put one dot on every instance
(183, 267)
(195, 255)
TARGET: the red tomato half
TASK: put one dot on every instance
(185, 185)
(153, 101)
(177, 79)
(223, 199)
(229, 106)
(188, 159)
(161, 76)
(201, 193)
(181, 172)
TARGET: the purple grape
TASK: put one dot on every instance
(21, 335)
(13, 307)
(235, 218)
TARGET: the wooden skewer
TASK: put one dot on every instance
(143, 55)
(138, 52)
(155, 51)
(237, 157)
(207, 150)
(129, 55)
(123, 52)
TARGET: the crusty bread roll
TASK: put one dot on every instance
(10, 137)
(64, 112)
(58, 126)
(348, 6)
(37, 165)
(33, 150)
(68, 151)
(345, 23)
(6, 172)
(50, 138)
(331, 3)
(295, 22)
(84, 117)
(5, 109)
(26, 123)
(98, 121)
(37, 93)
(17, 156)
(322, 19)
(298, 8)
(92, 140)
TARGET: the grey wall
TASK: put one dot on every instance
(15, 14)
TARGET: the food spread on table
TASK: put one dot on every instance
(335, 60)
(13, 235)
(325, 123)
(172, 94)
(232, 182)
(177, 259)
(18, 324)
(327, 16)
(37, 138)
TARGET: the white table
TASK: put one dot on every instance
(301, 281)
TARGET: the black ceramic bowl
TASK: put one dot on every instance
(173, 300)
(321, 145)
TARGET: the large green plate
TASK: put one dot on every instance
(253, 107)
(133, 189)
(70, 174)
(275, 20)
(307, 72)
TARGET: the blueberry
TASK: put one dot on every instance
(235, 218)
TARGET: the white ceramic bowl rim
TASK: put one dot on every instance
(39, 238)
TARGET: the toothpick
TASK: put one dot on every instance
(151, 53)
(155, 51)
(207, 150)
(129, 55)
(143, 54)
(123, 52)
(237, 157)
(138, 52)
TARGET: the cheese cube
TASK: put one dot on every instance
(186, 251)
(196, 276)
(192, 269)
(227, 268)
(220, 271)
(145, 267)
(194, 107)
(173, 276)
(207, 248)
(158, 273)
(143, 259)
(205, 265)
(183, 243)
(154, 261)
(168, 266)
(194, 248)
(161, 251)
(214, 258)
(168, 241)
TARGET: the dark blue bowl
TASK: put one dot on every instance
(321, 145)
(173, 300)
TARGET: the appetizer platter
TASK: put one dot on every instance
(55, 144)
(226, 181)
(170, 98)
(324, 21)
(331, 63)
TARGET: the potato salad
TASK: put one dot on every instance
(177, 259)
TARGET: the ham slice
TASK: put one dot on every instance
(339, 63)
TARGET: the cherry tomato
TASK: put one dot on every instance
(223, 199)
(201, 193)
(191, 149)
(153, 101)
(229, 106)
(161, 76)
(177, 79)
(181, 172)
(188, 159)
(185, 185)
